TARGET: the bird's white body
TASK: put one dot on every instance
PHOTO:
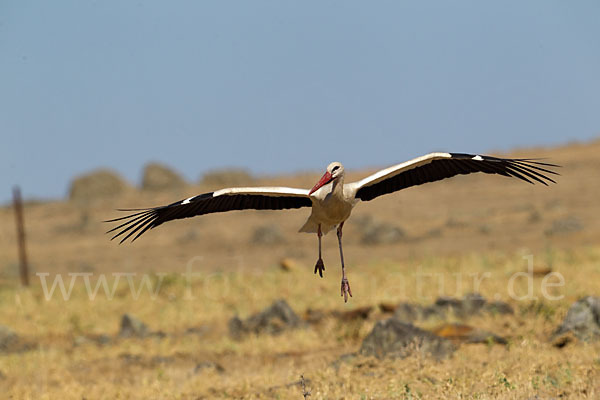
(331, 205)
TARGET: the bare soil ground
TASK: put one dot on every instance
(465, 234)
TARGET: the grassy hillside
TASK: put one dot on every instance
(466, 234)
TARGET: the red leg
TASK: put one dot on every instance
(345, 289)
(320, 266)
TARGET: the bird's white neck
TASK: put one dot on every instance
(338, 187)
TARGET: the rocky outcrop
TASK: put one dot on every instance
(396, 339)
(273, 320)
(470, 305)
(157, 177)
(133, 327)
(98, 184)
(582, 322)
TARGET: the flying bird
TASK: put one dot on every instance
(331, 199)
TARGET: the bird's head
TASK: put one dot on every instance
(334, 172)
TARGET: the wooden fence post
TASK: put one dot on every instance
(23, 267)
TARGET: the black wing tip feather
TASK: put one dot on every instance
(525, 169)
(144, 220)
(142, 210)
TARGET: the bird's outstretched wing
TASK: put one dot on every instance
(256, 198)
(436, 166)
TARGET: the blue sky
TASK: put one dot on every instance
(281, 86)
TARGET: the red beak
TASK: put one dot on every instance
(325, 179)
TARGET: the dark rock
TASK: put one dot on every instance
(133, 327)
(393, 338)
(447, 301)
(129, 358)
(439, 310)
(207, 365)
(8, 338)
(582, 320)
(236, 328)
(10, 342)
(564, 226)
(160, 177)
(471, 304)
(434, 311)
(407, 312)
(273, 320)
(498, 307)
(102, 339)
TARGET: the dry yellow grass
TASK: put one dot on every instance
(457, 230)
(262, 366)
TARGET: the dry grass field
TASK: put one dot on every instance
(189, 278)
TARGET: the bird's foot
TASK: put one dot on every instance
(346, 289)
(320, 267)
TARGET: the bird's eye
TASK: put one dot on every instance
(334, 168)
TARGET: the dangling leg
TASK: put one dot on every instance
(320, 266)
(345, 285)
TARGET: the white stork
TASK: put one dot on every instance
(331, 199)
